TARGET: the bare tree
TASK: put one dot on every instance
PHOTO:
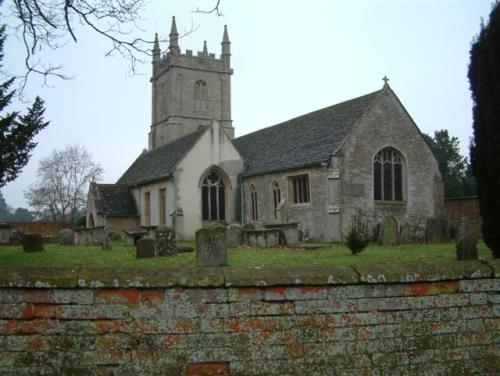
(63, 180)
(43, 24)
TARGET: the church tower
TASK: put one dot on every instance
(189, 90)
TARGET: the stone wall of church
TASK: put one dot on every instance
(388, 125)
(154, 198)
(311, 216)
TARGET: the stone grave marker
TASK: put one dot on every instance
(389, 231)
(234, 235)
(32, 243)
(405, 234)
(437, 230)
(146, 248)
(165, 241)
(461, 228)
(106, 242)
(4, 233)
(467, 248)
(211, 246)
(66, 237)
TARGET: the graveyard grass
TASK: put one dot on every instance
(332, 255)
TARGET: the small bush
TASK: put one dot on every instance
(356, 241)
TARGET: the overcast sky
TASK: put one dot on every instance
(289, 58)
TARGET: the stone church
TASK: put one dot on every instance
(362, 162)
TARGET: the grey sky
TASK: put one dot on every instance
(289, 58)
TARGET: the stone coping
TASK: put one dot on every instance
(17, 277)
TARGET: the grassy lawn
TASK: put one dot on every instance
(333, 255)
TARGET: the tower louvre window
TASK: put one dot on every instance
(200, 96)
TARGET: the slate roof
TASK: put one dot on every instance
(113, 200)
(159, 163)
(306, 140)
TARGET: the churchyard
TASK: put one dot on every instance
(122, 256)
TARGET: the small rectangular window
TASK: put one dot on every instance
(300, 189)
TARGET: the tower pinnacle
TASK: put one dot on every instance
(156, 49)
(174, 39)
(226, 44)
(205, 49)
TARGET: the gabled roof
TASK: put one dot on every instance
(159, 163)
(112, 200)
(306, 140)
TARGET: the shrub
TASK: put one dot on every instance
(356, 241)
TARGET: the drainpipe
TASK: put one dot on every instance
(242, 201)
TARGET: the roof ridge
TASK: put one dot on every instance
(374, 94)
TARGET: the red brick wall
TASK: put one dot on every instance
(467, 207)
(220, 322)
(44, 228)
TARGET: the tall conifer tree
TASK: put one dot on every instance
(16, 132)
(484, 77)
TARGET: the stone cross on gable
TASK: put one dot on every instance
(386, 80)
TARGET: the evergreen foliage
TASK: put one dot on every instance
(484, 77)
(455, 169)
(356, 241)
(16, 131)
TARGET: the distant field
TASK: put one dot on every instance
(332, 255)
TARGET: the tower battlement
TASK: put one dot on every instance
(189, 90)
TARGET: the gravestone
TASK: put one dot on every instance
(405, 234)
(16, 236)
(146, 248)
(467, 248)
(437, 230)
(461, 228)
(234, 235)
(32, 243)
(211, 246)
(4, 233)
(106, 242)
(66, 237)
(389, 231)
(133, 234)
(165, 241)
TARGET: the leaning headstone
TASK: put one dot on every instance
(165, 241)
(146, 248)
(461, 228)
(234, 235)
(437, 230)
(467, 248)
(389, 231)
(66, 237)
(211, 246)
(32, 243)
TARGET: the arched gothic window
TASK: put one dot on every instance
(276, 198)
(255, 209)
(388, 170)
(213, 198)
(200, 95)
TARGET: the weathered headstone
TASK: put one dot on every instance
(4, 233)
(16, 236)
(389, 231)
(133, 234)
(234, 235)
(66, 237)
(146, 248)
(32, 243)
(165, 241)
(437, 230)
(467, 248)
(106, 242)
(211, 246)
(461, 228)
(405, 234)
